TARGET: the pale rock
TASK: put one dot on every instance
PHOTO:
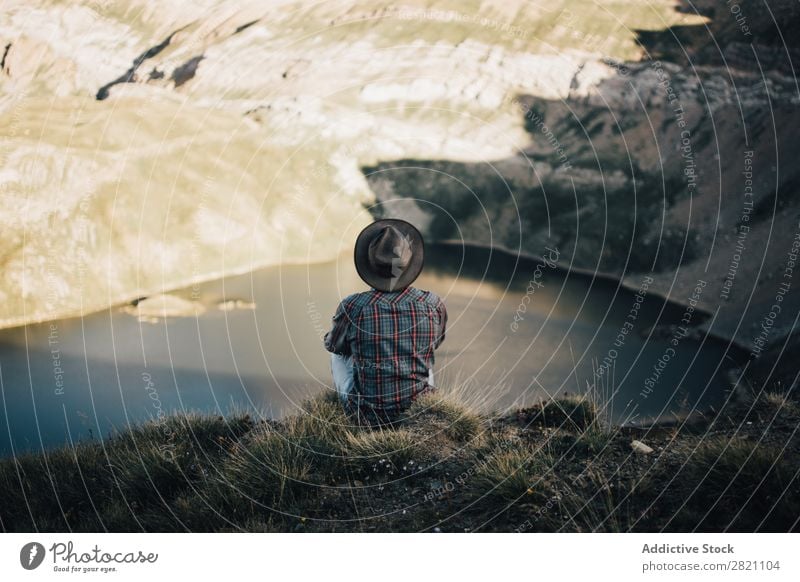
(164, 305)
(641, 448)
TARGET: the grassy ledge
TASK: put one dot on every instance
(550, 467)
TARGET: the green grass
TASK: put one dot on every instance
(268, 469)
(461, 423)
(735, 485)
(567, 412)
(769, 405)
(598, 503)
(554, 466)
(514, 475)
(321, 429)
(390, 450)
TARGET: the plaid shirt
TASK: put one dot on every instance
(391, 337)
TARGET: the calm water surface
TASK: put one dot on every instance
(519, 330)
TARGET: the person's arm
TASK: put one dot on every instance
(442, 311)
(336, 339)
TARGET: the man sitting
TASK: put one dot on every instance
(382, 340)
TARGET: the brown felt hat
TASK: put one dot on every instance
(389, 254)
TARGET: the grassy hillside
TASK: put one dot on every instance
(552, 467)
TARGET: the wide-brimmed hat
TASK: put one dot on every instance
(389, 254)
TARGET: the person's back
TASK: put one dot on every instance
(383, 340)
(391, 338)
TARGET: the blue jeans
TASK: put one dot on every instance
(344, 375)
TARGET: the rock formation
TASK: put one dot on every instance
(148, 146)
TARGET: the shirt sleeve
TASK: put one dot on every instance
(442, 311)
(336, 339)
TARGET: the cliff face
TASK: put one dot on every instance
(149, 145)
(677, 164)
(156, 144)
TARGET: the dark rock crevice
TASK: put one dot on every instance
(246, 25)
(3, 59)
(186, 71)
(180, 75)
(130, 75)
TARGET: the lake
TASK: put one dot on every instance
(520, 329)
